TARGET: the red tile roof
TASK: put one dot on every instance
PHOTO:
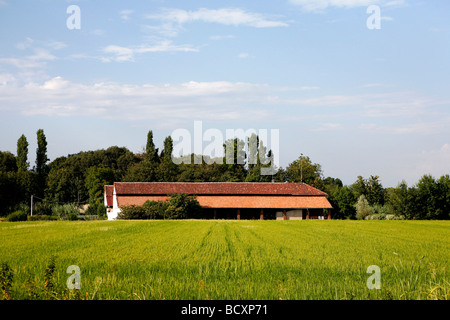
(109, 190)
(216, 188)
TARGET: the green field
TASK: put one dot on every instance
(200, 259)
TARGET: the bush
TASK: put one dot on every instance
(132, 212)
(72, 216)
(17, 216)
(42, 208)
(394, 217)
(178, 206)
(363, 208)
(41, 217)
(63, 211)
(376, 216)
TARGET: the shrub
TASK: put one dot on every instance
(376, 216)
(72, 216)
(42, 208)
(17, 216)
(394, 217)
(131, 212)
(178, 206)
(183, 206)
(363, 208)
(41, 217)
(64, 210)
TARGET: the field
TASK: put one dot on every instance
(215, 259)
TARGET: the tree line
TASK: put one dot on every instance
(79, 179)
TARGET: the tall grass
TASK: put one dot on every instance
(198, 259)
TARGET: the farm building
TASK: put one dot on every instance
(228, 200)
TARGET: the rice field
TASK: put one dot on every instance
(228, 260)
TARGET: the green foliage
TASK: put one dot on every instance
(42, 208)
(433, 198)
(343, 201)
(6, 280)
(17, 216)
(96, 179)
(182, 206)
(151, 152)
(363, 208)
(65, 211)
(132, 212)
(8, 162)
(304, 170)
(41, 162)
(178, 206)
(144, 171)
(41, 152)
(371, 188)
(41, 217)
(22, 154)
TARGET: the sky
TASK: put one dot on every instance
(361, 92)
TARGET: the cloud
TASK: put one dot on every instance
(125, 14)
(191, 100)
(225, 16)
(243, 55)
(218, 37)
(320, 5)
(125, 54)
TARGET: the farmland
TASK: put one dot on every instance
(223, 259)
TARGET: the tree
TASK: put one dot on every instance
(258, 158)
(41, 154)
(22, 154)
(143, 171)
(304, 170)
(8, 162)
(167, 168)
(402, 200)
(371, 188)
(375, 191)
(96, 179)
(362, 208)
(343, 200)
(151, 152)
(433, 200)
(234, 160)
(41, 162)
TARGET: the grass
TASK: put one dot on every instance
(200, 259)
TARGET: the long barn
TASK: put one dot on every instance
(228, 200)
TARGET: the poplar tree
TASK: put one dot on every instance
(151, 150)
(22, 154)
(41, 154)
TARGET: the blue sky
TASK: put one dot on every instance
(358, 101)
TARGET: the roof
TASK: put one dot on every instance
(216, 188)
(109, 190)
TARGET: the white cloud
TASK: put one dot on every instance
(123, 54)
(320, 5)
(218, 37)
(226, 16)
(243, 55)
(125, 14)
(6, 78)
(191, 100)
